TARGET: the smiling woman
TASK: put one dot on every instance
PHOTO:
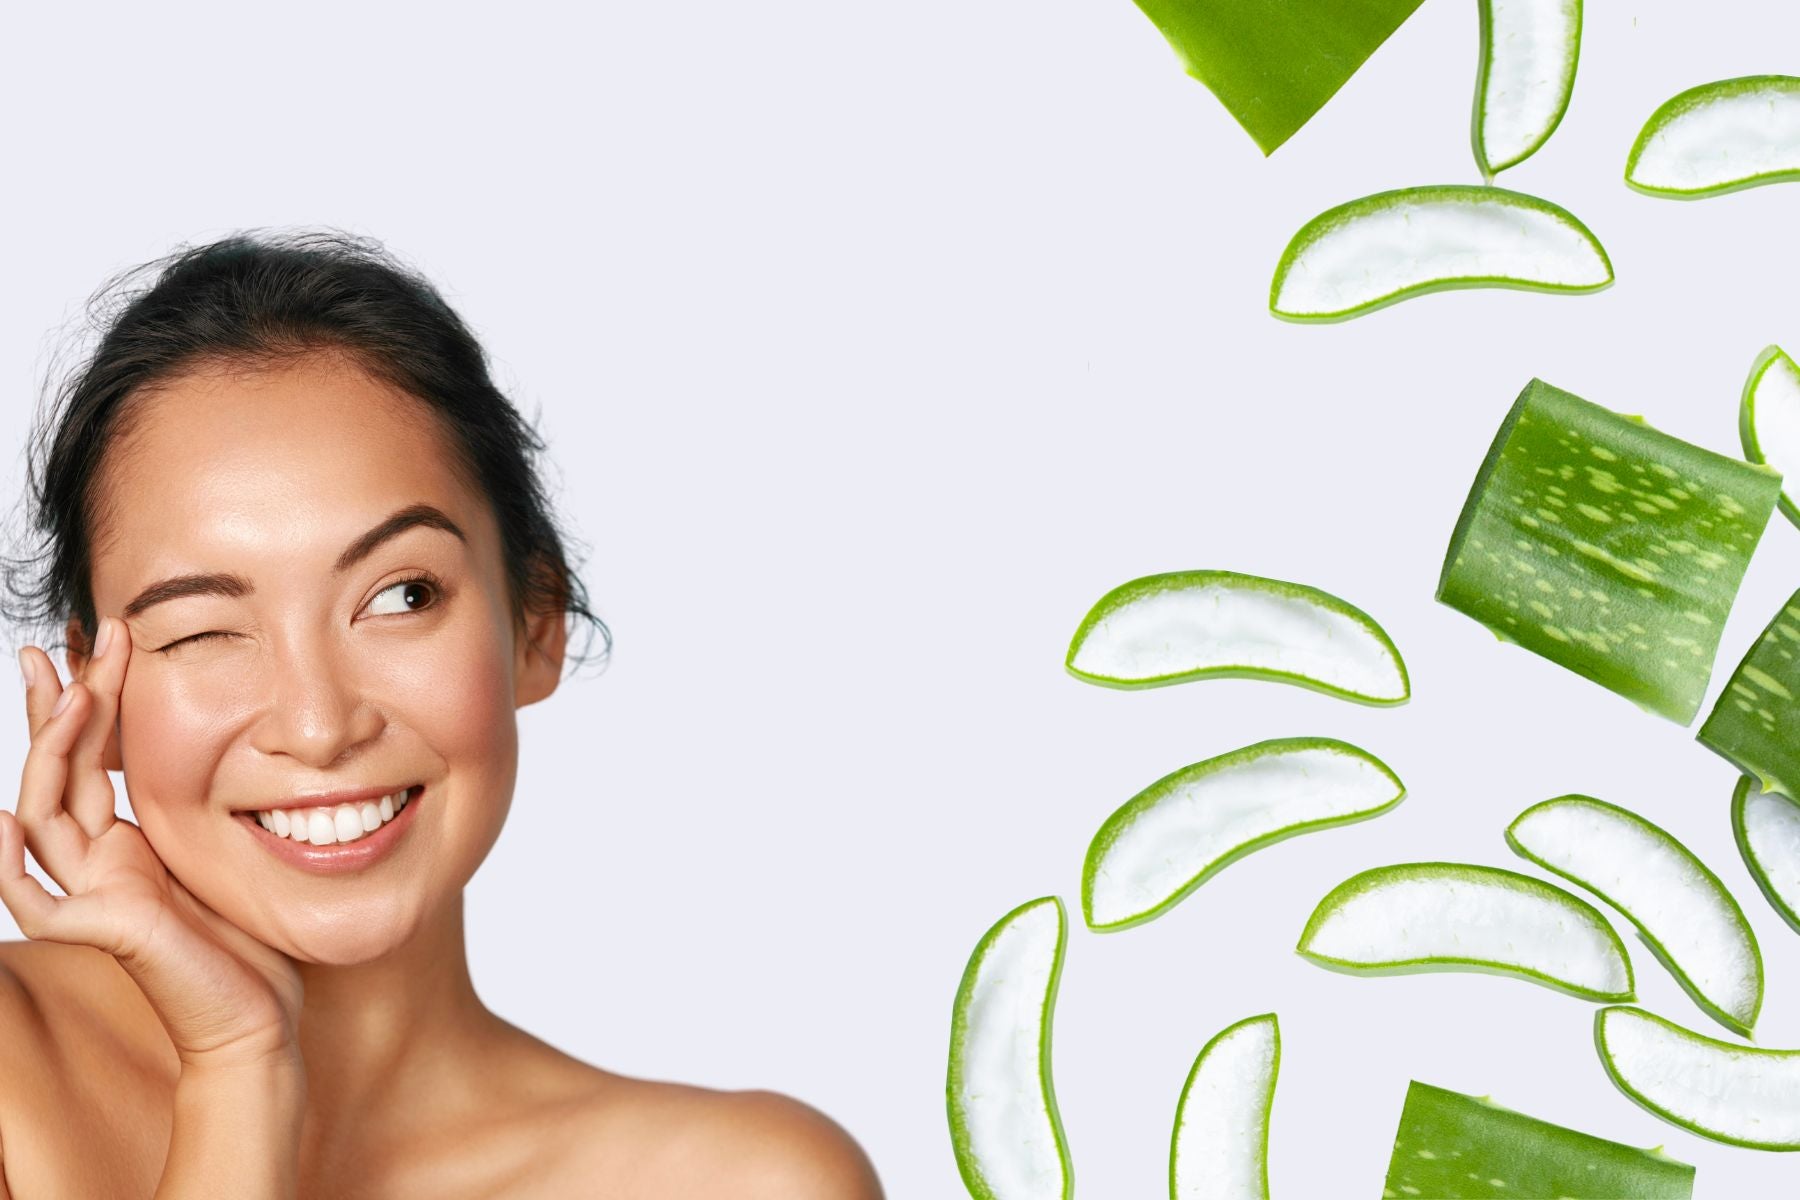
(304, 565)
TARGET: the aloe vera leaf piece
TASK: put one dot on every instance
(1680, 908)
(1274, 63)
(1183, 625)
(1380, 249)
(1220, 1148)
(1004, 1123)
(1187, 826)
(1756, 720)
(1606, 546)
(1767, 828)
(1743, 1095)
(1719, 137)
(1451, 1146)
(1528, 53)
(1443, 916)
(1769, 419)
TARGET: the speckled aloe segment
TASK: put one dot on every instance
(1456, 1147)
(1719, 137)
(1185, 625)
(1181, 830)
(1756, 721)
(1767, 828)
(1769, 421)
(1527, 72)
(1607, 546)
(1738, 1094)
(1274, 63)
(1220, 1148)
(1004, 1124)
(1680, 908)
(1372, 252)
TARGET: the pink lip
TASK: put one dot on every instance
(365, 851)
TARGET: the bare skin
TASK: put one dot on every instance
(198, 949)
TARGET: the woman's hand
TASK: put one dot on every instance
(224, 997)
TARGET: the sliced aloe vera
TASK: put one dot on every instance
(1184, 625)
(1769, 420)
(1456, 1147)
(1681, 910)
(1527, 72)
(1181, 830)
(1372, 252)
(1719, 137)
(1607, 546)
(1004, 1124)
(1756, 720)
(1730, 1093)
(1274, 63)
(1440, 916)
(1767, 828)
(1221, 1144)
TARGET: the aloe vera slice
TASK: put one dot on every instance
(1607, 546)
(1456, 1147)
(1681, 910)
(1384, 248)
(1220, 1149)
(1769, 419)
(1274, 63)
(1719, 137)
(1004, 1124)
(1184, 625)
(1528, 54)
(1756, 720)
(1441, 916)
(1738, 1094)
(1181, 830)
(1767, 828)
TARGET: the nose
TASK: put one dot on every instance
(317, 708)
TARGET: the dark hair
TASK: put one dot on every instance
(256, 300)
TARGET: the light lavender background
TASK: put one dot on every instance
(873, 344)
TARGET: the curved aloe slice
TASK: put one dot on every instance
(1440, 916)
(1767, 828)
(1004, 1124)
(1456, 1147)
(1719, 137)
(1737, 1094)
(1184, 625)
(1528, 54)
(1221, 1143)
(1608, 547)
(1372, 252)
(1682, 911)
(1755, 721)
(1181, 830)
(1769, 419)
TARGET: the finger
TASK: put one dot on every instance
(38, 914)
(88, 795)
(58, 842)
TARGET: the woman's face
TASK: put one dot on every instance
(319, 677)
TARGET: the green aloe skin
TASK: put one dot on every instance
(1451, 1146)
(1607, 546)
(1766, 826)
(1756, 721)
(1717, 138)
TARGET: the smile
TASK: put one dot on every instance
(335, 838)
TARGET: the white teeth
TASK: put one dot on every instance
(387, 808)
(371, 817)
(321, 828)
(328, 826)
(279, 822)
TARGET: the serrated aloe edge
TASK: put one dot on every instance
(1187, 625)
(1769, 420)
(1004, 1124)
(1719, 137)
(1755, 723)
(1391, 246)
(1167, 840)
(1220, 1146)
(1741, 1095)
(1766, 826)
(1529, 49)
(1680, 908)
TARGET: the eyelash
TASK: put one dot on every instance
(426, 578)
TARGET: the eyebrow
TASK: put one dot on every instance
(224, 583)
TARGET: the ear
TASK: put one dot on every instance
(78, 653)
(538, 657)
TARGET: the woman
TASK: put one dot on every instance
(308, 576)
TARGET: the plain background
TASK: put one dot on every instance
(873, 345)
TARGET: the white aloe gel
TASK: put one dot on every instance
(1529, 50)
(1770, 421)
(1720, 136)
(1731, 1093)
(1667, 893)
(1768, 832)
(1220, 1147)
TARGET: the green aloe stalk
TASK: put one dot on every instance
(1756, 721)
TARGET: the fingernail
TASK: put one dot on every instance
(105, 638)
(27, 669)
(62, 701)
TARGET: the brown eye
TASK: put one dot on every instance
(411, 592)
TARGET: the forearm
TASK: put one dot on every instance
(236, 1133)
